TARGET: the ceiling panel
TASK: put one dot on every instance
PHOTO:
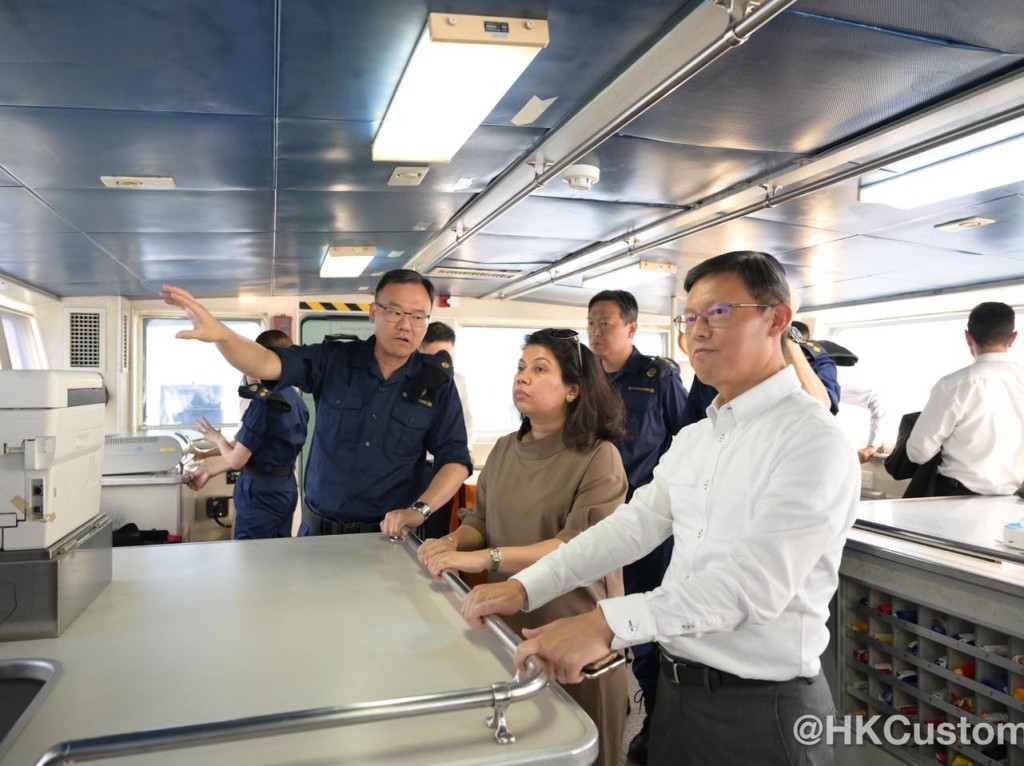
(513, 253)
(1002, 236)
(189, 56)
(72, 148)
(335, 156)
(808, 84)
(398, 210)
(21, 211)
(158, 210)
(753, 234)
(6, 179)
(572, 219)
(867, 255)
(307, 249)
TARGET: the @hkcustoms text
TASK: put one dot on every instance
(900, 730)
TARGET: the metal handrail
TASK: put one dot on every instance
(498, 696)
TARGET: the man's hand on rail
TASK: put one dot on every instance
(566, 645)
(496, 598)
(397, 521)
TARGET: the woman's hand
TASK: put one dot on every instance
(198, 479)
(432, 546)
(462, 561)
(208, 432)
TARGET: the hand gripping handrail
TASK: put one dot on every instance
(497, 696)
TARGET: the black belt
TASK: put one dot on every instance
(687, 673)
(327, 526)
(255, 468)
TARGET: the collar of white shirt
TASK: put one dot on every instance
(761, 397)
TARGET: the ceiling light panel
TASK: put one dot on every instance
(346, 261)
(986, 168)
(459, 71)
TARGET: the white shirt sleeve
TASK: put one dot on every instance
(934, 425)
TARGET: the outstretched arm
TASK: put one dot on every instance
(241, 353)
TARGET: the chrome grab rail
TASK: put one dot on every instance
(498, 696)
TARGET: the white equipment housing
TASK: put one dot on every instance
(51, 432)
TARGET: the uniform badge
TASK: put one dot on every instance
(652, 372)
(445, 365)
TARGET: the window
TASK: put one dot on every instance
(488, 357)
(183, 380)
(20, 344)
(900, 360)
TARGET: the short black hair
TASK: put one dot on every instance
(274, 339)
(405, 277)
(625, 301)
(439, 332)
(991, 323)
(761, 273)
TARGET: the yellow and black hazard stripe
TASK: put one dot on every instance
(362, 308)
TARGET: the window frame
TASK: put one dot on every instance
(139, 355)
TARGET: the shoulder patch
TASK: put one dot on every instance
(340, 337)
(435, 373)
(661, 367)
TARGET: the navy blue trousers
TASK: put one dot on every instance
(264, 506)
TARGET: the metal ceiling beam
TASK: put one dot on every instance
(698, 39)
(988, 105)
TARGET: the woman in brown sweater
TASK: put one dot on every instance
(543, 486)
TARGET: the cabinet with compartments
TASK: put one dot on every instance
(934, 636)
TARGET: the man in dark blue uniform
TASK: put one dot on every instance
(271, 436)
(654, 399)
(380, 406)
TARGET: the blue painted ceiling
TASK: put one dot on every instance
(264, 112)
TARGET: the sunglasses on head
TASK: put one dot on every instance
(570, 335)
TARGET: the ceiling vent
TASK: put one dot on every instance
(455, 273)
(138, 182)
(83, 339)
(965, 223)
(407, 176)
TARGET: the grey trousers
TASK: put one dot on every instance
(737, 725)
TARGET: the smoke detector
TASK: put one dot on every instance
(581, 177)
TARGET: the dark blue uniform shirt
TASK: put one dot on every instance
(701, 394)
(372, 435)
(654, 398)
(275, 438)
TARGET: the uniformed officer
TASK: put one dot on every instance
(271, 436)
(654, 399)
(380, 405)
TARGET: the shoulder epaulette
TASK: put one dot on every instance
(661, 367)
(435, 373)
(340, 337)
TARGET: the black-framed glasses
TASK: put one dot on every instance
(566, 334)
(716, 315)
(394, 316)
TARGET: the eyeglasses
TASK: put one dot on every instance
(560, 334)
(394, 316)
(716, 315)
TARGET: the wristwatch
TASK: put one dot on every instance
(423, 508)
(794, 334)
(495, 558)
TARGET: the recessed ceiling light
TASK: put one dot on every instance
(138, 182)
(421, 226)
(462, 183)
(396, 253)
(964, 224)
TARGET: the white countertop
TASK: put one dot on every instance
(211, 631)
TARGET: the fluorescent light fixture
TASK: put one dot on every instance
(459, 71)
(640, 272)
(346, 261)
(986, 168)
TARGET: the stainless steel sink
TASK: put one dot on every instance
(24, 685)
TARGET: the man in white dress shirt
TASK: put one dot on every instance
(759, 497)
(976, 415)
